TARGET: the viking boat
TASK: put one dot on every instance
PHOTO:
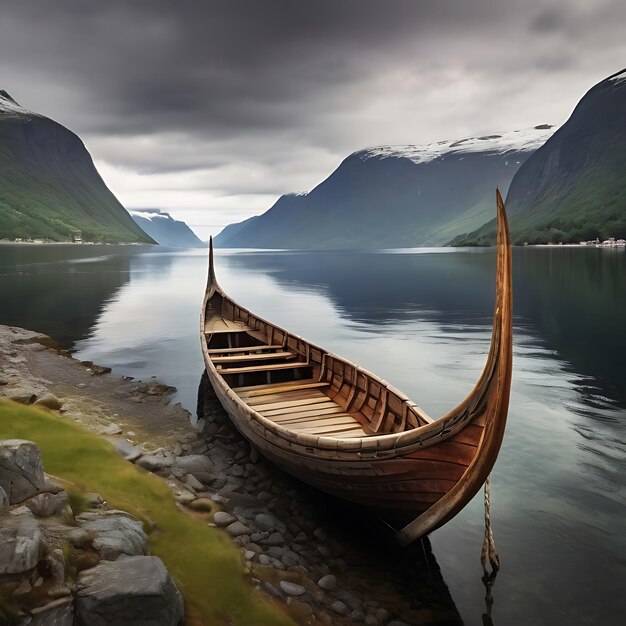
(344, 430)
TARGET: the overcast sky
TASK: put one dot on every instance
(213, 109)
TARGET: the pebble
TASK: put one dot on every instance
(290, 558)
(202, 504)
(222, 518)
(111, 429)
(275, 539)
(328, 582)
(357, 615)
(339, 607)
(292, 589)
(277, 552)
(264, 559)
(192, 482)
(249, 555)
(237, 528)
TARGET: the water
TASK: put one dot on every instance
(420, 319)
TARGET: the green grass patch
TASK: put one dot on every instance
(206, 566)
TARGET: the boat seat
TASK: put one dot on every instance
(263, 368)
(239, 358)
(224, 351)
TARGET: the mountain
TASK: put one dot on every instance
(390, 197)
(165, 230)
(574, 187)
(49, 186)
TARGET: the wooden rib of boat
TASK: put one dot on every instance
(344, 430)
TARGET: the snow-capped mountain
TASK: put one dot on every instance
(49, 186)
(395, 196)
(165, 230)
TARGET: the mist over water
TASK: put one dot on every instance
(421, 319)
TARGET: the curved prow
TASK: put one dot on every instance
(212, 280)
(487, 405)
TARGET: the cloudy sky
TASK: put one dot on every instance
(213, 109)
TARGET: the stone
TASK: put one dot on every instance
(264, 559)
(290, 558)
(357, 615)
(204, 505)
(277, 552)
(111, 429)
(21, 471)
(197, 464)
(51, 484)
(223, 518)
(47, 504)
(115, 533)
(292, 589)
(49, 401)
(23, 588)
(4, 500)
(328, 582)
(275, 539)
(193, 483)
(21, 395)
(267, 521)
(126, 449)
(153, 462)
(254, 455)
(339, 607)
(56, 613)
(133, 590)
(78, 537)
(94, 500)
(237, 529)
(371, 620)
(20, 541)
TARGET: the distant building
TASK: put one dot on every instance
(77, 237)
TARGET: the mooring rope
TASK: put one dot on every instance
(489, 552)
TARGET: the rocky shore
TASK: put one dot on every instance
(325, 562)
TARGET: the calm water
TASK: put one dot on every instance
(420, 319)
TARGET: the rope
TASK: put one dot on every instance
(489, 552)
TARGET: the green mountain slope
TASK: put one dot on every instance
(574, 187)
(49, 186)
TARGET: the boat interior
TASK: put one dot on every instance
(298, 385)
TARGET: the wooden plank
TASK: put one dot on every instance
(263, 368)
(277, 397)
(244, 349)
(237, 358)
(327, 420)
(259, 390)
(239, 329)
(287, 419)
(330, 430)
(325, 410)
(294, 403)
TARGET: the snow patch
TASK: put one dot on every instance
(8, 105)
(516, 141)
(149, 215)
(618, 78)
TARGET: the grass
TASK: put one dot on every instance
(206, 566)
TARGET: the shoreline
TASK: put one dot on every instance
(298, 547)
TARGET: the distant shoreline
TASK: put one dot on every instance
(6, 242)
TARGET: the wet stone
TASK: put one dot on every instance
(328, 582)
(339, 607)
(222, 518)
(292, 589)
(237, 529)
(275, 539)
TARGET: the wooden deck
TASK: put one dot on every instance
(302, 407)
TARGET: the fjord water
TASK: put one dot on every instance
(421, 319)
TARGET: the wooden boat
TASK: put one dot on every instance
(344, 430)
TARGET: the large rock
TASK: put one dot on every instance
(48, 504)
(198, 465)
(115, 533)
(133, 590)
(21, 471)
(153, 462)
(20, 541)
